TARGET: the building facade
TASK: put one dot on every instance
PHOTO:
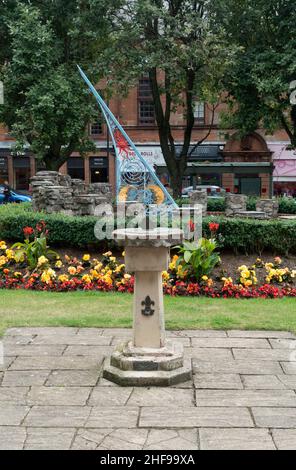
(243, 166)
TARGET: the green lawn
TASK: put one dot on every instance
(96, 309)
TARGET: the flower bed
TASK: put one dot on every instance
(32, 265)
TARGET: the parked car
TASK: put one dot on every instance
(212, 191)
(15, 196)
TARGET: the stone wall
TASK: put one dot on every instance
(235, 203)
(53, 192)
(199, 197)
(269, 206)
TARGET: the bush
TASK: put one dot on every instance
(241, 235)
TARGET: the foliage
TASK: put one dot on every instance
(198, 259)
(46, 104)
(172, 42)
(258, 81)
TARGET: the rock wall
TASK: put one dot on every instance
(53, 192)
(199, 197)
(269, 206)
(235, 203)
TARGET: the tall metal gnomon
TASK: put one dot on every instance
(136, 181)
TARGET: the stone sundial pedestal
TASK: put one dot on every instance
(148, 358)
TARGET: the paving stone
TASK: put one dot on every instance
(172, 439)
(230, 343)
(191, 417)
(264, 354)
(237, 367)
(158, 396)
(275, 417)
(217, 381)
(259, 334)
(13, 395)
(283, 343)
(178, 339)
(209, 354)
(198, 333)
(57, 416)
(58, 395)
(285, 439)
(289, 381)
(95, 340)
(235, 439)
(73, 378)
(124, 439)
(12, 438)
(43, 330)
(49, 438)
(117, 332)
(24, 378)
(289, 367)
(18, 340)
(111, 417)
(1, 377)
(106, 383)
(89, 439)
(83, 350)
(8, 360)
(262, 382)
(63, 362)
(245, 398)
(110, 396)
(90, 331)
(12, 415)
(33, 350)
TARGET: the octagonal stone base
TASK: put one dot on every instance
(130, 366)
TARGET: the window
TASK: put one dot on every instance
(199, 112)
(96, 128)
(145, 102)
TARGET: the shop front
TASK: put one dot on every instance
(21, 172)
(99, 169)
(284, 175)
(3, 169)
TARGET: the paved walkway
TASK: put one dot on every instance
(242, 395)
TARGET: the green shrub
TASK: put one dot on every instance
(287, 205)
(241, 235)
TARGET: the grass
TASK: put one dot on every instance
(96, 309)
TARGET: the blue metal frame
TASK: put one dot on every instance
(132, 170)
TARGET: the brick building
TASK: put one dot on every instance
(239, 166)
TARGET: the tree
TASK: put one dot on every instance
(172, 41)
(258, 81)
(46, 104)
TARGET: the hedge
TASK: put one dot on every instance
(240, 235)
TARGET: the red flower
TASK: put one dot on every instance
(213, 227)
(191, 226)
(28, 231)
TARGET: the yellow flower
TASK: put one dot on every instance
(210, 282)
(98, 267)
(113, 259)
(86, 258)
(59, 264)
(86, 279)
(243, 268)
(48, 275)
(205, 278)
(79, 269)
(41, 261)
(245, 274)
(3, 260)
(165, 275)
(63, 278)
(248, 283)
(9, 254)
(119, 268)
(17, 274)
(72, 270)
(3, 245)
(127, 276)
(107, 254)
(123, 253)
(293, 273)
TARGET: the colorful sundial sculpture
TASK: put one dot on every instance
(136, 180)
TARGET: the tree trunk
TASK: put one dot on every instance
(53, 162)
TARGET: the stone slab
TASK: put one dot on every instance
(90, 350)
(209, 354)
(12, 437)
(217, 381)
(285, 439)
(25, 378)
(283, 344)
(275, 417)
(13, 395)
(230, 343)
(63, 362)
(245, 398)
(33, 350)
(289, 367)
(289, 381)
(158, 396)
(235, 439)
(110, 396)
(264, 354)
(172, 439)
(110, 417)
(237, 367)
(58, 396)
(49, 438)
(73, 378)
(263, 382)
(57, 416)
(12, 415)
(190, 417)
(95, 340)
(259, 334)
(197, 334)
